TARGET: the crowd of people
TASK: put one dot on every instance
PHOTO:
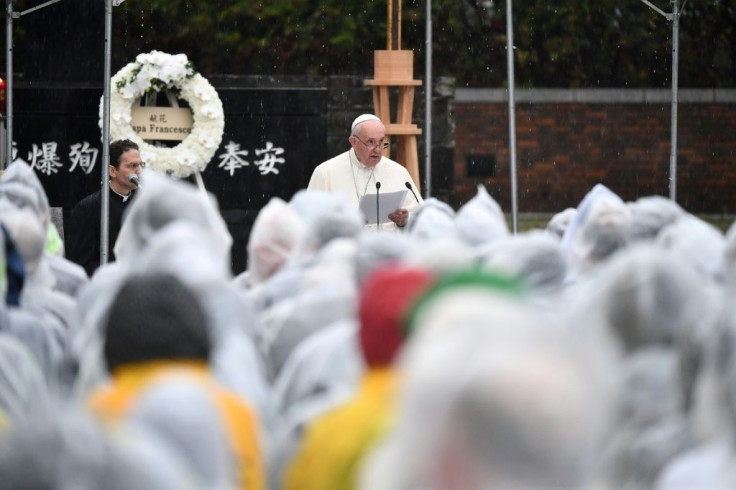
(597, 352)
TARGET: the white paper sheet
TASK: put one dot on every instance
(388, 202)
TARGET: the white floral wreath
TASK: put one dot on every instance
(156, 71)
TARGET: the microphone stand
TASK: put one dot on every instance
(378, 223)
(408, 186)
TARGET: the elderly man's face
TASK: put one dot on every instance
(368, 143)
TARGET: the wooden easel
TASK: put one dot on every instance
(394, 67)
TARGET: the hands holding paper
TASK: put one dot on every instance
(400, 216)
(385, 207)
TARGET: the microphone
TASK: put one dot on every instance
(408, 186)
(134, 179)
(378, 221)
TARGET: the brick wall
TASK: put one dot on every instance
(567, 141)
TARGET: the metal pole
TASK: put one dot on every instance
(512, 113)
(104, 192)
(428, 105)
(673, 118)
(8, 82)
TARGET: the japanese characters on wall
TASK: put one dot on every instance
(272, 140)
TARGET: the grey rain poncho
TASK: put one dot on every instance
(326, 217)
(20, 186)
(650, 214)
(162, 201)
(377, 249)
(322, 372)
(431, 219)
(599, 229)
(327, 293)
(70, 450)
(275, 234)
(712, 464)
(23, 388)
(480, 221)
(697, 243)
(535, 257)
(558, 223)
(494, 396)
(182, 417)
(654, 307)
(643, 296)
(38, 295)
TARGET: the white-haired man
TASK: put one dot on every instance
(356, 172)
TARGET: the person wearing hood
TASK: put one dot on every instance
(157, 333)
(84, 229)
(335, 443)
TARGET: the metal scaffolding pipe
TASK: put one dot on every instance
(673, 118)
(8, 82)
(428, 105)
(104, 192)
(512, 114)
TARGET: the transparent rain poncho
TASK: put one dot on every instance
(161, 201)
(431, 219)
(494, 397)
(70, 450)
(38, 295)
(651, 429)
(276, 232)
(535, 257)
(711, 464)
(184, 419)
(377, 249)
(326, 293)
(23, 387)
(322, 372)
(651, 214)
(697, 243)
(599, 229)
(729, 254)
(443, 255)
(183, 249)
(326, 217)
(20, 186)
(558, 224)
(480, 221)
(643, 297)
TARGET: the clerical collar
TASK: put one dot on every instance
(126, 197)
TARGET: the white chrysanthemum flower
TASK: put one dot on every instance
(148, 157)
(180, 59)
(210, 111)
(146, 74)
(186, 158)
(203, 92)
(206, 140)
(121, 117)
(129, 91)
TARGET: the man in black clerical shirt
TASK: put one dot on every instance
(83, 245)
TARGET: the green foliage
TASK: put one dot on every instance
(582, 43)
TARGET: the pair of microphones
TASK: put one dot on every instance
(378, 190)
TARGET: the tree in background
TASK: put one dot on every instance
(585, 43)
